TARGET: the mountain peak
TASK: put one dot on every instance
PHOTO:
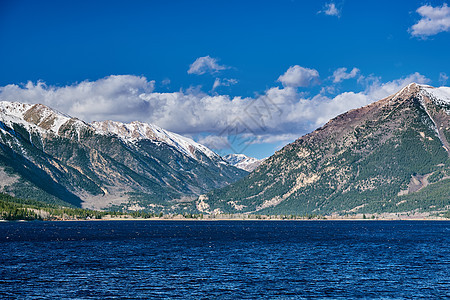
(136, 130)
(407, 92)
(438, 95)
(36, 116)
(370, 159)
(39, 117)
(243, 162)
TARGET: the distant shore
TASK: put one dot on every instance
(404, 216)
(227, 217)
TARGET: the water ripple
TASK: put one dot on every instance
(224, 260)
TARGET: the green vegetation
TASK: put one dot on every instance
(12, 208)
(446, 214)
(433, 197)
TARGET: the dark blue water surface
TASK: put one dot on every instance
(226, 259)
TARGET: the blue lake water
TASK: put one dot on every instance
(225, 260)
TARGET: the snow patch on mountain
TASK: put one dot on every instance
(440, 96)
(45, 120)
(243, 162)
(136, 130)
(12, 113)
(34, 117)
(15, 109)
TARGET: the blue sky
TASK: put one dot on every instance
(68, 55)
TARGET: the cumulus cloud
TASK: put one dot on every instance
(205, 64)
(223, 82)
(279, 113)
(270, 138)
(378, 90)
(434, 20)
(114, 96)
(341, 74)
(297, 76)
(443, 78)
(215, 142)
(330, 9)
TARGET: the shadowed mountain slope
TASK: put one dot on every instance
(52, 157)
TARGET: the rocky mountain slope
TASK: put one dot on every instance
(49, 156)
(389, 156)
(243, 162)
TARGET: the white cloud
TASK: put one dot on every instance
(205, 64)
(443, 78)
(323, 108)
(297, 76)
(114, 96)
(215, 142)
(276, 138)
(278, 114)
(330, 9)
(223, 82)
(433, 21)
(377, 90)
(331, 89)
(341, 74)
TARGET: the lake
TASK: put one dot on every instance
(225, 259)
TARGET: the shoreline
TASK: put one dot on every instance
(333, 217)
(404, 216)
(233, 219)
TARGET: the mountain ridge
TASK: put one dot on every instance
(136, 130)
(55, 157)
(362, 158)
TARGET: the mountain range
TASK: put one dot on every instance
(52, 157)
(389, 156)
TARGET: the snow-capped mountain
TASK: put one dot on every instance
(35, 117)
(136, 130)
(46, 120)
(48, 155)
(243, 162)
